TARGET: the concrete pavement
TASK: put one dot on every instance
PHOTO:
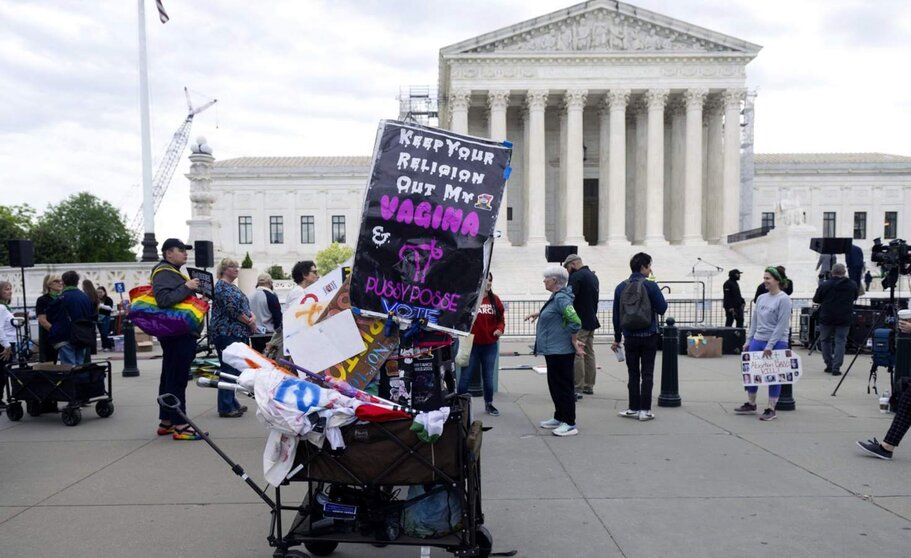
(697, 481)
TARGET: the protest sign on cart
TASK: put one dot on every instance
(428, 223)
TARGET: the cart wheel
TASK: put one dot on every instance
(485, 542)
(71, 417)
(104, 408)
(33, 408)
(14, 412)
(294, 554)
(321, 548)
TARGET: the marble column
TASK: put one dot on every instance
(575, 103)
(202, 225)
(714, 195)
(654, 181)
(612, 185)
(536, 100)
(732, 99)
(676, 194)
(640, 206)
(692, 187)
(559, 204)
(459, 99)
(497, 101)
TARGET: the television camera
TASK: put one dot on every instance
(893, 258)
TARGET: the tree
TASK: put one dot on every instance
(277, 273)
(332, 257)
(247, 263)
(82, 229)
(15, 223)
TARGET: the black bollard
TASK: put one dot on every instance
(130, 369)
(786, 399)
(669, 389)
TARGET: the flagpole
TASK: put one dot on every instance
(149, 244)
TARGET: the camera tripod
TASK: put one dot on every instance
(888, 315)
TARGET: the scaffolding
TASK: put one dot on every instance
(420, 104)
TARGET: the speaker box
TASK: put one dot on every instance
(831, 245)
(204, 253)
(21, 253)
(557, 253)
(732, 338)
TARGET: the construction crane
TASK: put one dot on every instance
(168, 164)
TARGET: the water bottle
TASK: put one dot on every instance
(884, 402)
(620, 354)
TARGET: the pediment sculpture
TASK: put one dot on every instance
(601, 31)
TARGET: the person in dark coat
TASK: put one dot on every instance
(854, 261)
(733, 300)
(835, 298)
(585, 287)
(71, 305)
(868, 279)
(170, 287)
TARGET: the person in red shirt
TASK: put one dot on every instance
(487, 329)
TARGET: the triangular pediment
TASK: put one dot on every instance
(602, 26)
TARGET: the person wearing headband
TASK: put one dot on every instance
(768, 331)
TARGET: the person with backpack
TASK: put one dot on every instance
(555, 338)
(769, 323)
(69, 311)
(637, 304)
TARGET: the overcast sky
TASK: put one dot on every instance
(308, 77)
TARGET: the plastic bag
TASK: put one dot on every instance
(464, 354)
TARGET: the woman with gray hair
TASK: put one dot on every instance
(555, 338)
(232, 322)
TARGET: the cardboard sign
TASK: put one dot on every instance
(783, 367)
(327, 343)
(429, 213)
(305, 312)
(206, 282)
(360, 369)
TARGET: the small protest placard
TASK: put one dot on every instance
(206, 282)
(783, 367)
(119, 287)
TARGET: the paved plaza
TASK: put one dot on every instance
(698, 481)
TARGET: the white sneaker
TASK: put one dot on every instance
(629, 413)
(550, 424)
(646, 415)
(566, 430)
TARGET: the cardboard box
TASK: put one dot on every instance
(703, 346)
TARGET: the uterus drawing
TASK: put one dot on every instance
(420, 257)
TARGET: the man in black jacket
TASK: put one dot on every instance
(170, 287)
(585, 288)
(835, 297)
(733, 301)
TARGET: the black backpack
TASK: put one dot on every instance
(635, 306)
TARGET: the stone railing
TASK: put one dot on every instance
(132, 274)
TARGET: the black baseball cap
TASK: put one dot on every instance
(174, 243)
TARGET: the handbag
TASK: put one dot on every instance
(187, 316)
(82, 331)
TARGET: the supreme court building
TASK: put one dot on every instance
(630, 129)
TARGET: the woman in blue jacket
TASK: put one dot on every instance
(555, 338)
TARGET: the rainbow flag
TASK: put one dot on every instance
(185, 317)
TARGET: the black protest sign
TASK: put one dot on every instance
(431, 206)
(206, 282)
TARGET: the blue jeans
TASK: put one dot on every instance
(756, 345)
(485, 358)
(227, 398)
(104, 328)
(70, 355)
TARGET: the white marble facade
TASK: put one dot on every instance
(602, 78)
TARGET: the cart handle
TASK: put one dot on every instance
(169, 400)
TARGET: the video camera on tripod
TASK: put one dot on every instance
(893, 258)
